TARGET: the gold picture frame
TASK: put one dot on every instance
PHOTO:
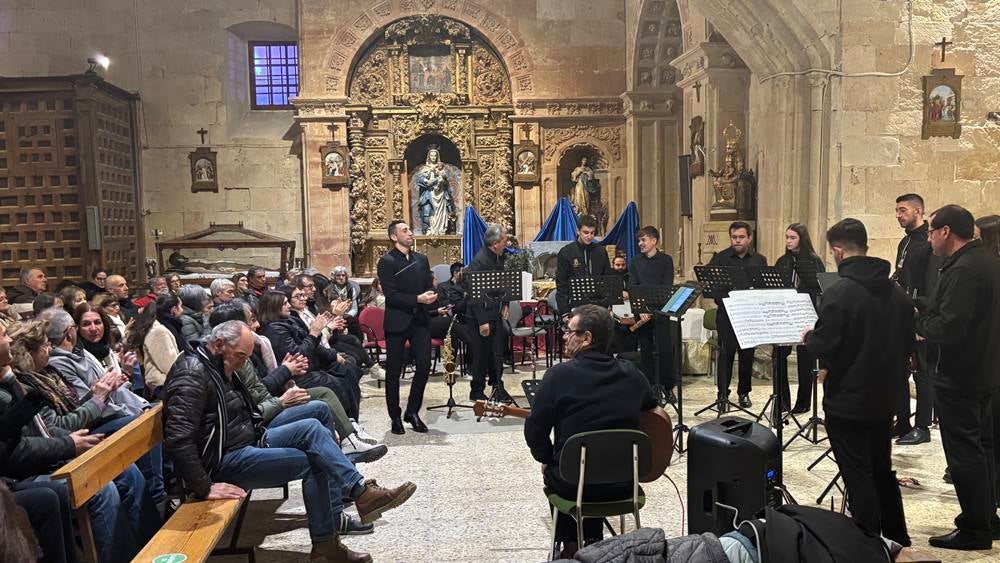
(204, 170)
(334, 159)
(942, 104)
(526, 163)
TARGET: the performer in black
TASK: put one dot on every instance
(486, 320)
(581, 258)
(863, 335)
(916, 273)
(652, 267)
(798, 246)
(619, 267)
(592, 391)
(962, 324)
(740, 254)
(409, 294)
(451, 306)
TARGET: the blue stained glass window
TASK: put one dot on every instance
(274, 74)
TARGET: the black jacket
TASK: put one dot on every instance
(658, 270)
(788, 261)
(728, 257)
(402, 281)
(290, 336)
(485, 261)
(128, 310)
(916, 265)
(451, 293)
(963, 321)
(864, 335)
(21, 295)
(205, 415)
(593, 391)
(578, 260)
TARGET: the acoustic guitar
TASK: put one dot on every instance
(655, 423)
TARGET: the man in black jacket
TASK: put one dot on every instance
(740, 254)
(652, 267)
(408, 286)
(217, 441)
(486, 320)
(962, 325)
(916, 272)
(592, 391)
(581, 258)
(863, 335)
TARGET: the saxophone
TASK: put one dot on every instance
(448, 356)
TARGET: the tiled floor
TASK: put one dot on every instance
(478, 489)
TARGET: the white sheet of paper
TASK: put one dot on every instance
(526, 288)
(622, 311)
(769, 316)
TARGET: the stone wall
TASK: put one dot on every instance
(188, 64)
(881, 151)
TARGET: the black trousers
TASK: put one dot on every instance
(460, 331)
(419, 337)
(49, 512)
(995, 404)
(727, 353)
(655, 338)
(593, 528)
(863, 449)
(352, 346)
(345, 384)
(925, 392)
(966, 423)
(806, 363)
(487, 365)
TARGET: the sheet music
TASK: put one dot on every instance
(622, 311)
(769, 316)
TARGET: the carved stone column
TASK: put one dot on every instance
(396, 172)
(359, 215)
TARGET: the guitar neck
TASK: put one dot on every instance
(499, 410)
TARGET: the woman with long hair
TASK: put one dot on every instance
(156, 338)
(799, 248)
(988, 231)
(72, 296)
(173, 282)
(8, 315)
(242, 285)
(288, 336)
(113, 309)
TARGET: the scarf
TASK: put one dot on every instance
(100, 350)
(173, 324)
(57, 394)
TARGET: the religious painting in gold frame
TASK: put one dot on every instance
(526, 163)
(942, 104)
(335, 163)
(204, 170)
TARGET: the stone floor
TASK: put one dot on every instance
(478, 489)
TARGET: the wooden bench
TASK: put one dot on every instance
(193, 530)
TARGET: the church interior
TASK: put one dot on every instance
(204, 139)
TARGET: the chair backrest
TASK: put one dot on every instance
(374, 319)
(442, 272)
(514, 313)
(551, 300)
(609, 455)
(710, 320)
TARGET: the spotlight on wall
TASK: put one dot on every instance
(98, 60)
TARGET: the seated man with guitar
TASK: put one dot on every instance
(592, 391)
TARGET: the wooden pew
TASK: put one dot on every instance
(96, 467)
(194, 530)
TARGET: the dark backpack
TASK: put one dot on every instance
(816, 535)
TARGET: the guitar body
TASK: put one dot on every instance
(655, 423)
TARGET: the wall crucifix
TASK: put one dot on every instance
(944, 43)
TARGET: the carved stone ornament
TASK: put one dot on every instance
(490, 82)
(426, 29)
(610, 137)
(734, 186)
(371, 81)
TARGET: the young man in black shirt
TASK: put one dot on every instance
(863, 336)
(592, 391)
(408, 285)
(962, 326)
(580, 258)
(740, 254)
(652, 267)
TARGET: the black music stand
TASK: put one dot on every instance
(716, 283)
(808, 278)
(451, 404)
(680, 300)
(596, 290)
(494, 288)
(649, 299)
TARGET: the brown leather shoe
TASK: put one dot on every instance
(376, 499)
(336, 552)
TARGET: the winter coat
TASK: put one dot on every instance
(193, 326)
(82, 370)
(159, 351)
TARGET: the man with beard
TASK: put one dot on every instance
(487, 321)
(863, 335)
(962, 325)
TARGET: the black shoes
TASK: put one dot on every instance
(500, 394)
(916, 436)
(745, 400)
(900, 429)
(962, 541)
(800, 409)
(947, 476)
(669, 397)
(478, 396)
(723, 403)
(397, 426)
(414, 420)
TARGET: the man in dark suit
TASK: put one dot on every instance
(486, 320)
(740, 254)
(962, 324)
(580, 258)
(408, 286)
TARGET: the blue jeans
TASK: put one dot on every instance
(150, 464)
(313, 409)
(305, 450)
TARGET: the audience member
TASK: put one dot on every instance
(197, 306)
(374, 297)
(157, 286)
(156, 338)
(44, 301)
(96, 283)
(256, 284)
(33, 282)
(112, 309)
(173, 282)
(223, 291)
(241, 287)
(222, 463)
(118, 287)
(8, 315)
(72, 296)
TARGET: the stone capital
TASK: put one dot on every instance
(649, 104)
(699, 62)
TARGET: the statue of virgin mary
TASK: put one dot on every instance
(435, 204)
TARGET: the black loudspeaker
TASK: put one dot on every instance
(684, 183)
(735, 462)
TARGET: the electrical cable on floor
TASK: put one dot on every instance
(680, 499)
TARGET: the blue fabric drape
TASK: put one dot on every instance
(561, 224)
(623, 234)
(472, 235)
